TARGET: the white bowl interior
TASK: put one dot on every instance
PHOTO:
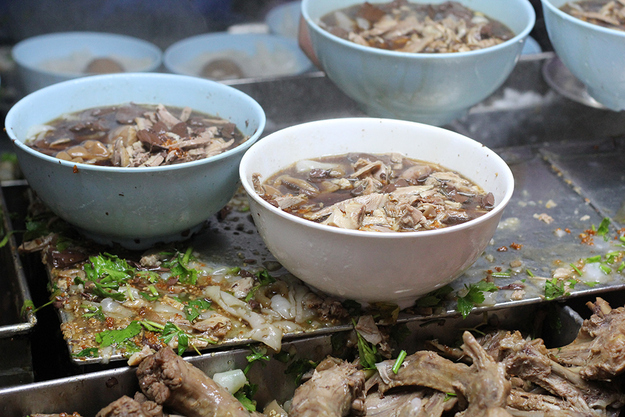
(340, 136)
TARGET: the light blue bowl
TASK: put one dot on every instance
(283, 20)
(259, 55)
(135, 207)
(429, 88)
(594, 54)
(30, 55)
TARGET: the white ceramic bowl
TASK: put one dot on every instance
(258, 55)
(135, 207)
(595, 55)
(369, 266)
(425, 87)
(48, 59)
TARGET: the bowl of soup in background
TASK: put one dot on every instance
(224, 56)
(594, 54)
(372, 266)
(134, 206)
(433, 88)
(48, 59)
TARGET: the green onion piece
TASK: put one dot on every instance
(501, 274)
(621, 267)
(399, 361)
(576, 269)
(593, 259)
(611, 256)
(153, 289)
(606, 269)
(530, 273)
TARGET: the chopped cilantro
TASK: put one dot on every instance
(245, 396)
(604, 228)
(473, 296)
(93, 311)
(367, 352)
(179, 267)
(196, 307)
(258, 354)
(170, 331)
(86, 353)
(434, 298)
(354, 308)
(263, 279)
(555, 288)
(119, 336)
(299, 367)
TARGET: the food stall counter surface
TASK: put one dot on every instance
(567, 159)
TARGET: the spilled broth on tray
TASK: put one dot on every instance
(381, 193)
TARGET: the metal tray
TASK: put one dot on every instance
(15, 327)
(75, 394)
(559, 152)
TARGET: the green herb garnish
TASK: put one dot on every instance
(179, 267)
(367, 352)
(263, 279)
(474, 295)
(555, 288)
(86, 353)
(118, 337)
(434, 298)
(259, 354)
(399, 361)
(196, 307)
(245, 396)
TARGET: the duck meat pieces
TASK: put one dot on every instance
(129, 407)
(169, 380)
(335, 389)
(483, 385)
(530, 361)
(599, 347)
(409, 403)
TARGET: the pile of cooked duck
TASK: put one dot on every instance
(501, 373)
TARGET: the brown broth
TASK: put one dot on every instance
(135, 135)
(416, 27)
(385, 192)
(605, 13)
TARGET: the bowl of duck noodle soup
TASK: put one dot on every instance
(134, 159)
(375, 210)
(589, 38)
(424, 61)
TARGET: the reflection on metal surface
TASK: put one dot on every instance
(561, 80)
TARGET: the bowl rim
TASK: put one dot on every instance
(423, 55)
(19, 47)
(25, 101)
(576, 21)
(215, 36)
(275, 136)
